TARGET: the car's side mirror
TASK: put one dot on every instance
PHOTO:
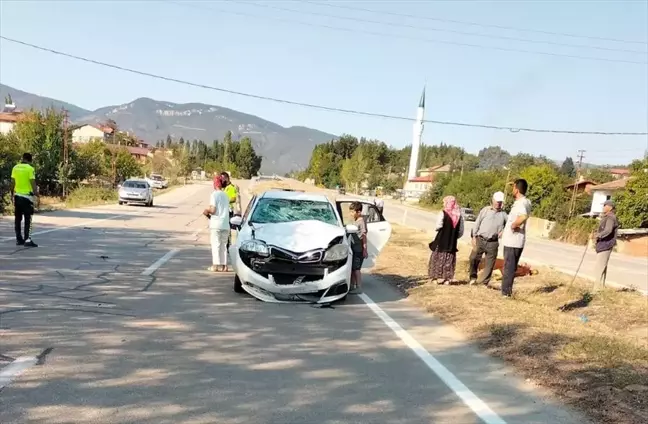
(351, 228)
(236, 221)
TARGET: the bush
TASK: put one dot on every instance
(84, 196)
(576, 230)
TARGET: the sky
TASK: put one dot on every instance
(256, 48)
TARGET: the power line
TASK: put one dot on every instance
(310, 105)
(452, 21)
(406, 37)
(451, 31)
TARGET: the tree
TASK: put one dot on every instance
(41, 133)
(546, 191)
(599, 175)
(493, 157)
(89, 160)
(632, 202)
(126, 166)
(169, 142)
(567, 168)
(247, 162)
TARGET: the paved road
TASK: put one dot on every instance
(141, 339)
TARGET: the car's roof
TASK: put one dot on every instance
(137, 180)
(294, 195)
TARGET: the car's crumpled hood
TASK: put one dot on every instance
(299, 236)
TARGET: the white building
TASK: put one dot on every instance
(603, 192)
(8, 117)
(88, 132)
(8, 120)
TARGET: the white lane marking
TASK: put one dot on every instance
(94, 221)
(471, 400)
(157, 264)
(14, 369)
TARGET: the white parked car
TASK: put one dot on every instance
(136, 191)
(157, 181)
(294, 246)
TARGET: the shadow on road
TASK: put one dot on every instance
(180, 347)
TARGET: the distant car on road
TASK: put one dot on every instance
(135, 191)
(468, 214)
(157, 181)
(295, 247)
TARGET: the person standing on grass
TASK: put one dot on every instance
(24, 195)
(358, 247)
(219, 226)
(605, 238)
(514, 235)
(450, 228)
(485, 238)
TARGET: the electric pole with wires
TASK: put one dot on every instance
(65, 152)
(572, 203)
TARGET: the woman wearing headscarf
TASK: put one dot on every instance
(450, 228)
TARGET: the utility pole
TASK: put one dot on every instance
(65, 151)
(572, 203)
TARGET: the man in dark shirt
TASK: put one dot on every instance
(605, 238)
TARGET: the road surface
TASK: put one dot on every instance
(142, 333)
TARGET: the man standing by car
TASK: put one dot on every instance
(605, 239)
(485, 238)
(514, 235)
(24, 194)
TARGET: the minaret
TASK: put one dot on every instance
(416, 138)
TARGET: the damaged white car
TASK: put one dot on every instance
(294, 246)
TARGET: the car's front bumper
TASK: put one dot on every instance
(129, 199)
(331, 287)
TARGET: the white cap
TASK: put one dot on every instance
(498, 196)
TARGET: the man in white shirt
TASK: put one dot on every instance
(219, 226)
(514, 235)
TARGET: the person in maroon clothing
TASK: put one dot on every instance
(450, 227)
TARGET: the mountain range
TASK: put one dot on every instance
(283, 149)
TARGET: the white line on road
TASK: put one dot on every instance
(157, 264)
(471, 400)
(94, 221)
(14, 369)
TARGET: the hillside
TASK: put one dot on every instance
(283, 149)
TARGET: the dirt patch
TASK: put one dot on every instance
(590, 350)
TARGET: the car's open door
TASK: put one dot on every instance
(378, 229)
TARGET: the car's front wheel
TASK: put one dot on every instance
(238, 286)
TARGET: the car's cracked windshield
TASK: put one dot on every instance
(273, 211)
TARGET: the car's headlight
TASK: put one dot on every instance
(256, 246)
(336, 253)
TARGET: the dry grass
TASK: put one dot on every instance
(592, 351)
